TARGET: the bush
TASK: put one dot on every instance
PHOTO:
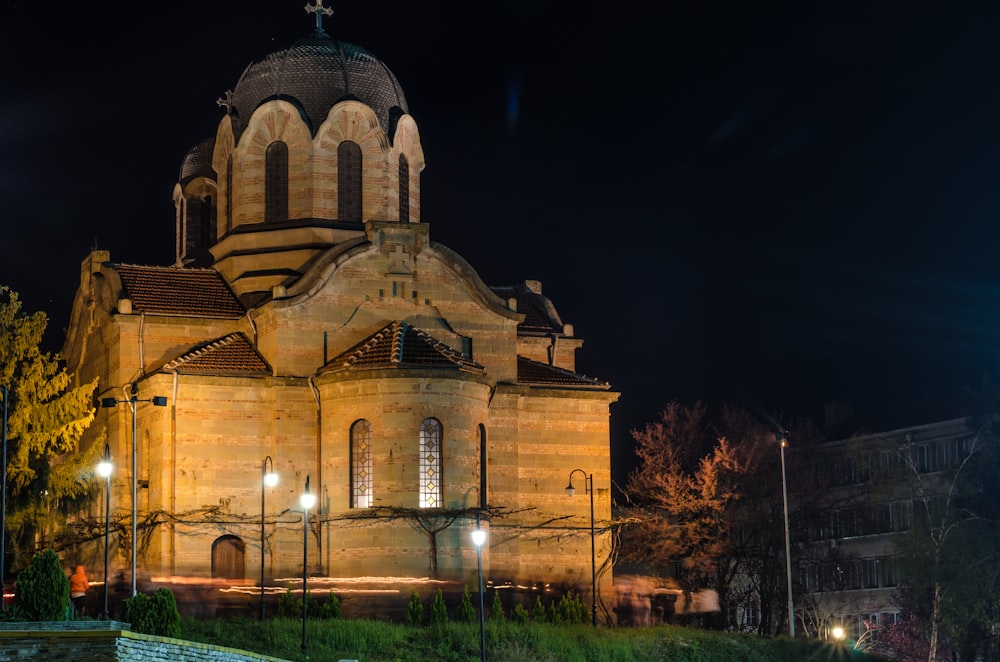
(288, 606)
(439, 611)
(538, 611)
(466, 612)
(415, 610)
(496, 611)
(329, 608)
(43, 589)
(156, 615)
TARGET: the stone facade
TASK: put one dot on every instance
(266, 338)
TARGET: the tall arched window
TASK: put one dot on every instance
(349, 181)
(404, 189)
(276, 183)
(430, 463)
(361, 464)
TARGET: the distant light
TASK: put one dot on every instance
(838, 632)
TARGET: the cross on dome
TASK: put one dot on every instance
(320, 11)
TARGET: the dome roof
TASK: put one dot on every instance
(198, 161)
(315, 73)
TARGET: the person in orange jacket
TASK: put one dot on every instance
(78, 585)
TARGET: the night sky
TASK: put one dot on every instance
(770, 205)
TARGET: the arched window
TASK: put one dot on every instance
(361, 464)
(276, 183)
(228, 558)
(349, 181)
(229, 194)
(404, 189)
(430, 463)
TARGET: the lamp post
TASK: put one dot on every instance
(308, 500)
(267, 479)
(133, 402)
(589, 486)
(104, 470)
(788, 546)
(3, 509)
(478, 538)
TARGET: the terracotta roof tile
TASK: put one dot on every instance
(533, 372)
(400, 345)
(176, 291)
(230, 355)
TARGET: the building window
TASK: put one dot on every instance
(361, 464)
(404, 189)
(349, 181)
(276, 183)
(430, 463)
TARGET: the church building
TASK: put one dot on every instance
(312, 328)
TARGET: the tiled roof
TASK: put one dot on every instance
(400, 345)
(539, 315)
(230, 355)
(177, 291)
(533, 372)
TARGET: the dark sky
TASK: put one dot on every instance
(769, 204)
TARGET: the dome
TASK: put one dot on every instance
(198, 161)
(315, 73)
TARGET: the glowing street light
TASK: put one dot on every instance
(589, 485)
(133, 402)
(104, 471)
(838, 633)
(267, 479)
(478, 538)
(307, 500)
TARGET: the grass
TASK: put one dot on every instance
(377, 641)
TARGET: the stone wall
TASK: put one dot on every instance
(79, 641)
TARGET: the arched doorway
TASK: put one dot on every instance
(228, 558)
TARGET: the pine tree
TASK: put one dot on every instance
(46, 417)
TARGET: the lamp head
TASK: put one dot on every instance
(570, 490)
(270, 479)
(308, 499)
(104, 467)
(478, 537)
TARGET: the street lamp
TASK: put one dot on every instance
(478, 538)
(788, 546)
(133, 402)
(267, 479)
(308, 500)
(589, 486)
(104, 470)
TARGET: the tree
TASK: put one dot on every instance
(947, 560)
(46, 418)
(706, 499)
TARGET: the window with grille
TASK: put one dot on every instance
(349, 181)
(430, 463)
(404, 189)
(361, 464)
(276, 183)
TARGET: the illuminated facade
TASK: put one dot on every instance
(310, 318)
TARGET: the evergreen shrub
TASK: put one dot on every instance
(43, 589)
(156, 615)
